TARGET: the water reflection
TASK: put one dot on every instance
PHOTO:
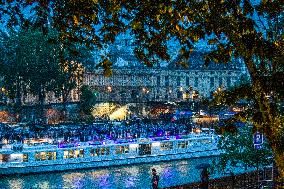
(130, 177)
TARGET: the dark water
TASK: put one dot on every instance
(136, 176)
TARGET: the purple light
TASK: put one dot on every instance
(160, 133)
(178, 137)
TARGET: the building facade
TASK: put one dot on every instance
(132, 81)
(159, 84)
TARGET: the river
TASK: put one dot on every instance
(131, 176)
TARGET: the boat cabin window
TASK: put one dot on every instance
(182, 144)
(206, 141)
(144, 149)
(122, 150)
(4, 158)
(166, 145)
(13, 158)
(99, 151)
(42, 156)
(78, 153)
(190, 143)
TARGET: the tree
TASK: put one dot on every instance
(28, 64)
(239, 150)
(251, 31)
(31, 64)
(70, 76)
(87, 100)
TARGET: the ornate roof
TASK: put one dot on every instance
(196, 62)
(121, 54)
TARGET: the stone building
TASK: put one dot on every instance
(137, 83)
(132, 81)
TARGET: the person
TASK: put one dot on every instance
(155, 179)
(204, 179)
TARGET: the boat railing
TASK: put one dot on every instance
(6, 146)
(17, 147)
(21, 146)
(44, 146)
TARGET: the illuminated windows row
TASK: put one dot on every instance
(99, 151)
(186, 144)
(78, 153)
(166, 146)
(42, 156)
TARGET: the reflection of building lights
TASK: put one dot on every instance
(156, 144)
(170, 91)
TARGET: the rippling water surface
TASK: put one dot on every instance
(136, 176)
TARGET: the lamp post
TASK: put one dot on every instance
(181, 93)
(109, 89)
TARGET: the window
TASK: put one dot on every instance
(196, 82)
(179, 94)
(167, 83)
(178, 80)
(13, 158)
(42, 156)
(220, 81)
(99, 151)
(211, 82)
(133, 80)
(166, 146)
(122, 150)
(206, 141)
(187, 81)
(166, 96)
(51, 155)
(104, 151)
(158, 80)
(25, 157)
(73, 153)
(182, 144)
(190, 143)
(228, 81)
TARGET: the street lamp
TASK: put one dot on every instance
(109, 89)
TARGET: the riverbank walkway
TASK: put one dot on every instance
(240, 181)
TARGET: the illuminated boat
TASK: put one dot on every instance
(24, 159)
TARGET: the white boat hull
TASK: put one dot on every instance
(105, 163)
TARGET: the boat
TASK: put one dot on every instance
(24, 158)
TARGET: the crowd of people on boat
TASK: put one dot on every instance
(95, 131)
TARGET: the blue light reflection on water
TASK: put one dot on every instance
(132, 176)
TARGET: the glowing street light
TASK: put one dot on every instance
(109, 88)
